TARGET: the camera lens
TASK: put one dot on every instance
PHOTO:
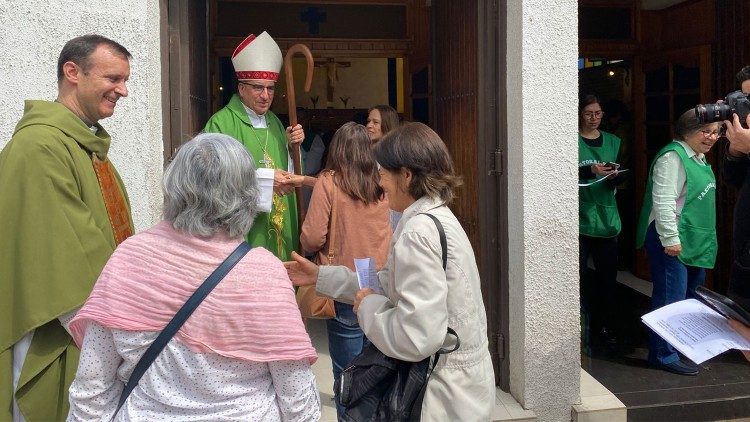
(709, 113)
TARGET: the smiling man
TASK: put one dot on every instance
(64, 210)
(249, 119)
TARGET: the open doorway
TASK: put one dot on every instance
(439, 62)
(611, 80)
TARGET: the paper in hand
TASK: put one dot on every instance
(366, 274)
(584, 184)
(694, 329)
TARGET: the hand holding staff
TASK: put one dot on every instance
(292, 107)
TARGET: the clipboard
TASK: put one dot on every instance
(723, 305)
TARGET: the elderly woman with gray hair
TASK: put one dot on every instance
(244, 353)
(419, 300)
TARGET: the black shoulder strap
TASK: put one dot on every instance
(179, 319)
(443, 240)
(416, 411)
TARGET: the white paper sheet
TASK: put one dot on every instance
(366, 274)
(694, 329)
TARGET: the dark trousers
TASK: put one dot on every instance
(345, 341)
(599, 301)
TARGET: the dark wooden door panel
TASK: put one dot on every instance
(467, 86)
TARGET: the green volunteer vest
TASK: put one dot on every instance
(697, 227)
(597, 208)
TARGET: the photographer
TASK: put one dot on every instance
(735, 170)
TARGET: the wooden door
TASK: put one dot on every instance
(187, 90)
(467, 88)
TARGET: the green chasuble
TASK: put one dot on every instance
(276, 231)
(55, 238)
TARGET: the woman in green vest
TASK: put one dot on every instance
(599, 221)
(678, 226)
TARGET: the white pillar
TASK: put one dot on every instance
(542, 84)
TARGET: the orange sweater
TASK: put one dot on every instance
(361, 230)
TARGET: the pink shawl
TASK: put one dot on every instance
(251, 315)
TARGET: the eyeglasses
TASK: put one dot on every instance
(593, 115)
(711, 133)
(258, 89)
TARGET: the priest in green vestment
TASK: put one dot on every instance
(248, 118)
(64, 210)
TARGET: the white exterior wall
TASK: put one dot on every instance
(542, 84)
(32, 33)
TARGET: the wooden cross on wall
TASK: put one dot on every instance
(332, 67)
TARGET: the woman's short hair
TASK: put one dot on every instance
(351, 158)
(210, 187)
(388, 117)
(416, 147)
(688, 124)
(79, 51)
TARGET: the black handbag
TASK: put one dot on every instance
(376, 387)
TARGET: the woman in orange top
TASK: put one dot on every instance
(349, 185)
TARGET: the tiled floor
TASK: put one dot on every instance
(506, 408)
(322, 368)
(721, 391)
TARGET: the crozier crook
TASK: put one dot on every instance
(292, 107)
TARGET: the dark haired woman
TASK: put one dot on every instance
(420, 300)
(678, 225)
(349, 187)
(381, 119)
(599, 220)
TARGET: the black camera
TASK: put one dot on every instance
(736, 102)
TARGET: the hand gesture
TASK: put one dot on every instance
(363, 293)
(284, 182)
(673, 250)
(302, 271)
(603, 170)
(744, 331)
(295, 135)
(738, 136)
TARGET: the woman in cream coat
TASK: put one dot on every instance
(420, 301)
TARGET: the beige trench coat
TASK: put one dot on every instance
(421, 300)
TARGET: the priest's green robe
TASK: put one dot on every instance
(55, 238)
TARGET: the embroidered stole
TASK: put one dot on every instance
(114, 200)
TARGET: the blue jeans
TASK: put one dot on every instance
(673, 281)
(345, 341)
